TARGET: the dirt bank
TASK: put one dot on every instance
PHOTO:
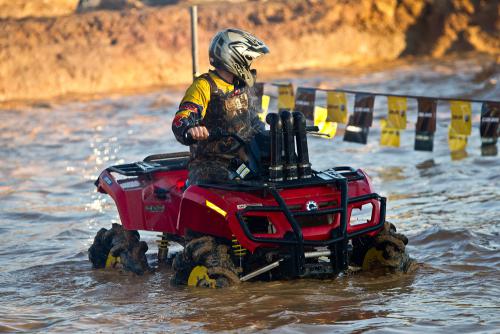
(104, 51)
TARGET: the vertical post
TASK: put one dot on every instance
(194, 39)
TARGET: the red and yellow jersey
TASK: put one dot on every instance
(194, 104)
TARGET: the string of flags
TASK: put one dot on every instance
(356, 125)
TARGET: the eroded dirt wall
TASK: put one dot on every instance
(104, 51)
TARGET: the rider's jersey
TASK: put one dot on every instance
(215, 103)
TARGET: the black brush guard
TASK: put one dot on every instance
(338, 243)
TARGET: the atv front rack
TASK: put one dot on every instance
(338, 243)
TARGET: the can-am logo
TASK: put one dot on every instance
(311, 206)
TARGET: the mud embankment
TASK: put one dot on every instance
(108, 51)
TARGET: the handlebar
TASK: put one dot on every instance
(218, 133)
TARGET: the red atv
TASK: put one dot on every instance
(288, 221)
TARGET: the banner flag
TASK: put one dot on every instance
(426, 119)
(489, 128)
(397, 108)
(337, 107)
(426, 124)
(285, 97)
(363, 110)
(266, 99)
(461, 117)
(456, 141)
(424, 141)
(490, 119)
(389, 136)
(258, 91)
(304, 101)
(320, 120)
(354, 133)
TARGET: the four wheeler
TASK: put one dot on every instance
(287, 221)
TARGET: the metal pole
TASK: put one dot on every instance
(194, 39)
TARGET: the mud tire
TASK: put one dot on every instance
(121, 243)
(392, 246)
(205, 251)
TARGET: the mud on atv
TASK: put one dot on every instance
(290, 222)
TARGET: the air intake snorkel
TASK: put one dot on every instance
(276, 165)
(289, 145)
(299, 129)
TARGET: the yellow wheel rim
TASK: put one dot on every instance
(372, 256)
(112, 261)
(199, 276)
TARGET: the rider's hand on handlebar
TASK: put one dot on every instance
(198, 133)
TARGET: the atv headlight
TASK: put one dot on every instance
(361, 215)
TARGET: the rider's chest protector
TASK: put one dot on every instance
(230, 113)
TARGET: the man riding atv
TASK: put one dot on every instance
(221, 100)
(244, 204)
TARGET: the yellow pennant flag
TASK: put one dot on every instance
(325, 127)
(397, 108)
(265, 107)
(286, 98)
(389, 136)
(337, 107)
(461, 117)
(456, 141)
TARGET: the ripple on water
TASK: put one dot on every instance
(50, 212)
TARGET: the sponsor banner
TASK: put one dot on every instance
(354, 133)
(304, 101)
(456, 141)
(490, 119)
(397, 108)
(286, 97)
(326, 128)
(258, 92)
(389, 136)
(424, 141)
(461, 117)
(337, 107)
(266, 99)
(426, 118)
(363, 110)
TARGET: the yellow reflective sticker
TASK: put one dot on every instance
(286, 98)
(337, 107)
(215, 208)
(397, 108)
(456, 141)
(265, 107)
(389, 136)
(325, 127)
(461, 117)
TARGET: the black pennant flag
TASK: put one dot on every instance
(304, 101)
(489, 128)
(361, 119)
(426, 124)
(363, 110)
(258, 91)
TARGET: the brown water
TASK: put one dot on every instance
(49, 213)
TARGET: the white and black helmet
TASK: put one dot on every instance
(234, 50)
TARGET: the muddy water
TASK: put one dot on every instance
(49, 213)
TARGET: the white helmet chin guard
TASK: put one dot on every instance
(234, 50)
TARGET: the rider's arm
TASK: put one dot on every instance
(191, 109)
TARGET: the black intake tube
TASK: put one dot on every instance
(276, 165)
(288, 145)
(299, 128)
